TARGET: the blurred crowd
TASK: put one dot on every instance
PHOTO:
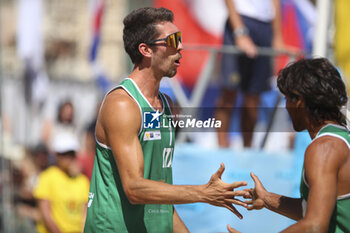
(56, 170)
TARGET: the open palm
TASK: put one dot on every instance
(256, 195)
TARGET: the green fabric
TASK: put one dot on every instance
(340, 220)
(109, 209)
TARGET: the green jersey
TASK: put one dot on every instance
(108, 208)
(340, 220)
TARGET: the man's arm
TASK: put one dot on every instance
(286, 206)
(45, 210)
(323, 159)
(178, 224)
(121, 119)
(243, 41)
(277, 41)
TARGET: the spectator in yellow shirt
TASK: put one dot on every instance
(61, 191)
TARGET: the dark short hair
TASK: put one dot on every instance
(319, 83)
(140, 27)
(39, 149)
(61, 106)
(67, 153)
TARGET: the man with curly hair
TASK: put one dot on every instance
(314, 94)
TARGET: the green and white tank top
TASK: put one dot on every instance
(108, 208)
(340, 220)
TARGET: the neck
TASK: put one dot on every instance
(147, 82)
(313, 129)
(63, 169)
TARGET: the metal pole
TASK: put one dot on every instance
(2, 156)
(273, 114)
(6, 221)
(320, 39)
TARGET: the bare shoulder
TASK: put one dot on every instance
(327, 150)
(119, 100)
(119, 109)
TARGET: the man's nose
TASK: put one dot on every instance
(180, 46)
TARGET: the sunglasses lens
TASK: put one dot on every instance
(178, 38)
(174, 39)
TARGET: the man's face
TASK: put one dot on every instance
(166, 59)
(296, 112)
(65, 161)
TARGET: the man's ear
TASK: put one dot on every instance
(145, 50)
(300, 102)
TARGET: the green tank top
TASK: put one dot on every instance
(340, 220)
(108, 207)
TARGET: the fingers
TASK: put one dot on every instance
(249, 193)
(231, 230)
(238, 184)
(250, 205)
(240, 193)
(248, 190)
(236, 202)
(233, 210)
(254, 205)
(233, 194)
(252, 52)
(246, 44)
(250, 202)
(248, 196)
(251, 49)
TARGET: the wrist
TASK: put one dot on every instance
(241, 31)
(202, 193)
(269, 200)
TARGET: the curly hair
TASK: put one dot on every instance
(319, 83)
(140, 27)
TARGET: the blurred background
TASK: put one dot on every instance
(58, 58)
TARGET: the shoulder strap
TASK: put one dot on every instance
(335, 131)
(166, 105)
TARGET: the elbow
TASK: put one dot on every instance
(315, 226)
(134, 199)
(133, 196)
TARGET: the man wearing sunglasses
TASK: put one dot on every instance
(131, 186)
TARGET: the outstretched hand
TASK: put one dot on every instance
(222, 194)
(256, 195)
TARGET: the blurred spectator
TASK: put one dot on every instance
(64, 123)
(341, 39)
(61, 191)
(39, 160)
(250, 24)
(31, 167)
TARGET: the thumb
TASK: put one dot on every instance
(221, 170)
(231, 230)
(256, 180)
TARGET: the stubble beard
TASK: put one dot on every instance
(171, 73)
